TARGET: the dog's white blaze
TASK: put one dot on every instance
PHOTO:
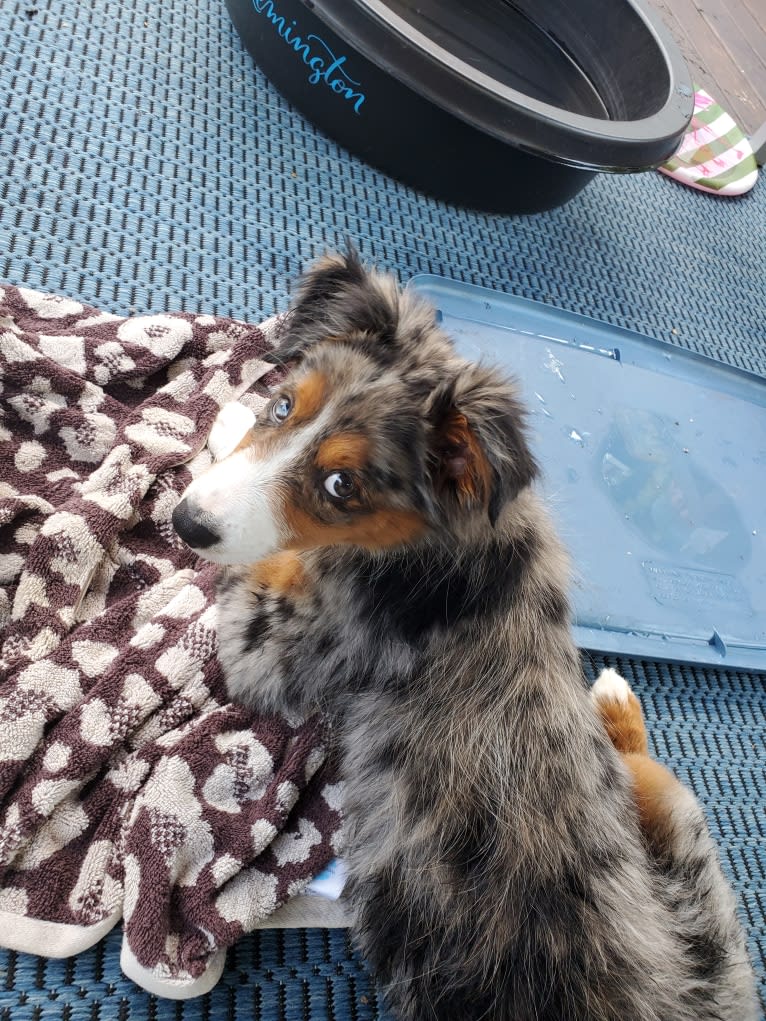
(230, 427)
(239, 498)
(236, 500)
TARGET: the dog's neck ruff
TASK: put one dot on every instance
(413, 591)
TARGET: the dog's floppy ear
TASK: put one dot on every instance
(479, 448)
(338, 298)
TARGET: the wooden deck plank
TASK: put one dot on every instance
(737, 33)
(724, 43)
(743, 35)
(756, 8)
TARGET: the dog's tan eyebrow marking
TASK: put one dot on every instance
(343, 450)
(309, 397)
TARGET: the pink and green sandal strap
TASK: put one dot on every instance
(715, 155)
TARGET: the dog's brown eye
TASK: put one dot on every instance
(281, 408)
(339, 485)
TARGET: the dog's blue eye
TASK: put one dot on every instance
(339, 485)
(281, 409)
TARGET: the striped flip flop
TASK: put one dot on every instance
(715, 155)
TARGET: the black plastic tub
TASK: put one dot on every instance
(504, 106)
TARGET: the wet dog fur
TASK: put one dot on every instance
(514, 853)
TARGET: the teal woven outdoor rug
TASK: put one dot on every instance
(147, 166)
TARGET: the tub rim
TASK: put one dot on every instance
(511, 116)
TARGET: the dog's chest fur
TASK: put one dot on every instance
(416, 659)
(305, 631)
(294, 637)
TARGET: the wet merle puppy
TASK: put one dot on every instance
(513, 852)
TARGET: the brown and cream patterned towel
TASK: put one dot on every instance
(129, 785)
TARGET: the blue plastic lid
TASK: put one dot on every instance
(655, 470)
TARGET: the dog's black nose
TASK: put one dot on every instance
(191, 529)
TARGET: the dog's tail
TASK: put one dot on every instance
(675, 830)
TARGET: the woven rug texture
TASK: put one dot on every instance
(147, 166)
